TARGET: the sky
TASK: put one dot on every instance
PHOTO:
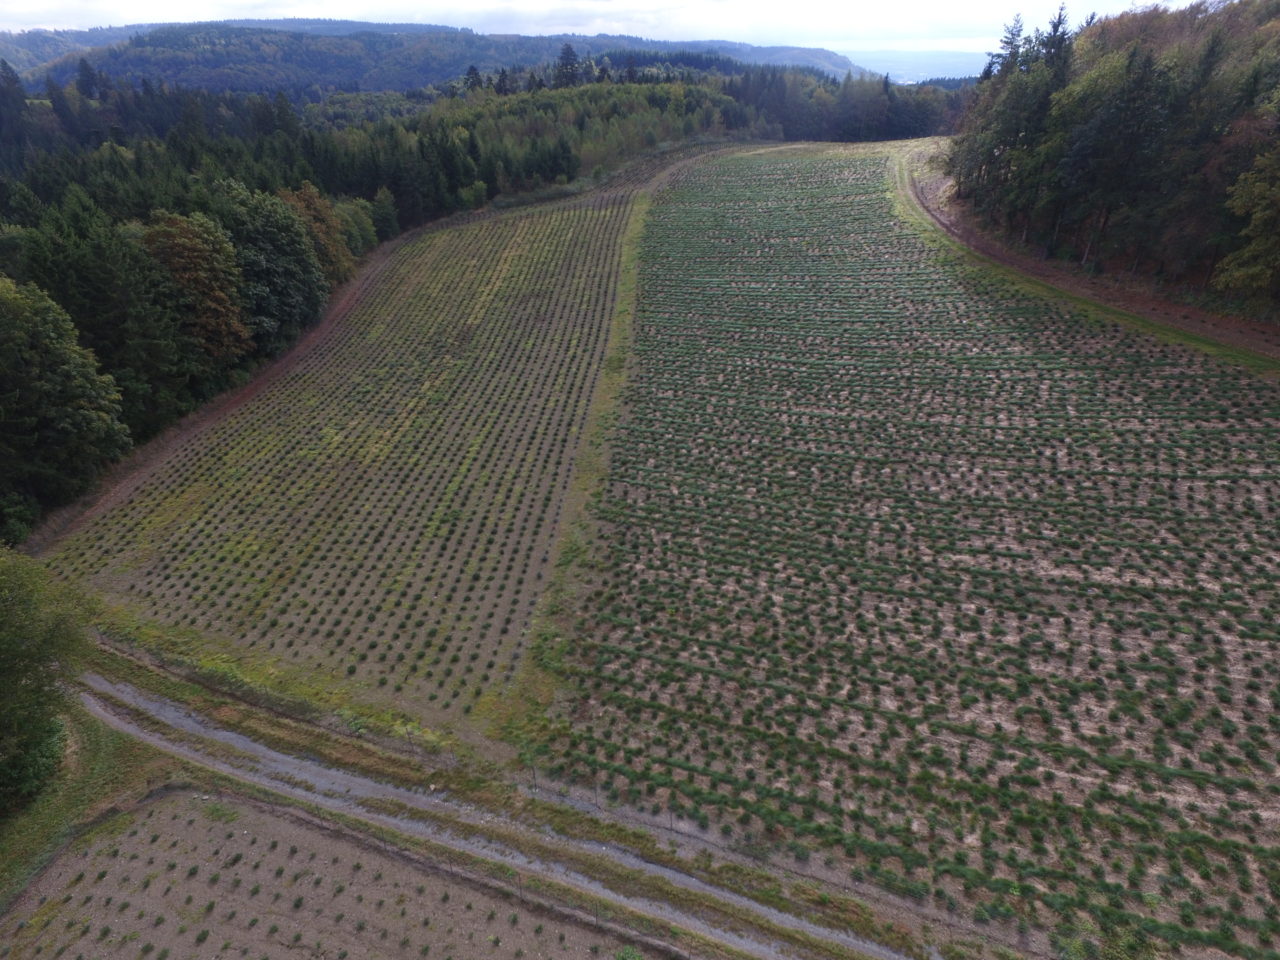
(973, 26)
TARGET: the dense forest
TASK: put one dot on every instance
(1145, 142)
(157, 243)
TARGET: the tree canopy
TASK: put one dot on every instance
(41, 627)
(1139, 142)
(60, 416)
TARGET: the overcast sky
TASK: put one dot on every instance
(849, 25)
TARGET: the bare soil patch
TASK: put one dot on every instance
(192, 875)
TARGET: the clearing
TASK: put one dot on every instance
(967, 594)
(900, 575)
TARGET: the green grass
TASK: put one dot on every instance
(517, 713)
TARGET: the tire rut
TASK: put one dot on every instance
(354, 795)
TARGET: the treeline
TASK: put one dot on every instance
(811, 106)
(308, 60)
(144, 273)
(799, 103)
(160, 243)
(1143, 142)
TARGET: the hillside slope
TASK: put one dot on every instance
(314, 55)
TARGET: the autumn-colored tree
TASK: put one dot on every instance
(201, 262)
(325, 230)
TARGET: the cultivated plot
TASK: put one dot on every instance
(381, 514)
(190, 876)
(903, 567)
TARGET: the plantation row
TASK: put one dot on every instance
(184, 877)
(906, 566)
(384, 510)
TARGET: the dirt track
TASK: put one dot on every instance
(176, 730)
(932, 191)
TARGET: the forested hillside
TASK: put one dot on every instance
(309, 58)
(32, 49)
(160, 243)
(1145, 142)
(154, 271)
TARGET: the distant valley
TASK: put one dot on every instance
(916, 66)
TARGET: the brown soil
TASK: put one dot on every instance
(934, 192)
(196, 875)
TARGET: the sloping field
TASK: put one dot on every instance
(381, 514)
(971, 597)
(194, 876)
(901, 575)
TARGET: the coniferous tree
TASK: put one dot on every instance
(13, 110)
(1135, 142)
(567, 68)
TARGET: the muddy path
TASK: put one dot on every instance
(192, 737)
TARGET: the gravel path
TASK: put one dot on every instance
(195, 739)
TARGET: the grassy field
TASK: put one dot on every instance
(903, 568)
(374, 525)
(102, 767)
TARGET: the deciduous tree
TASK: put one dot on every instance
(200, 263)
(59, 417)
(1255, 268)
(41, 626)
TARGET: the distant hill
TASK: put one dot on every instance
(916, 66)
(301, 56)
(31, 49)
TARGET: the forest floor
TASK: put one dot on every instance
(933, 190)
